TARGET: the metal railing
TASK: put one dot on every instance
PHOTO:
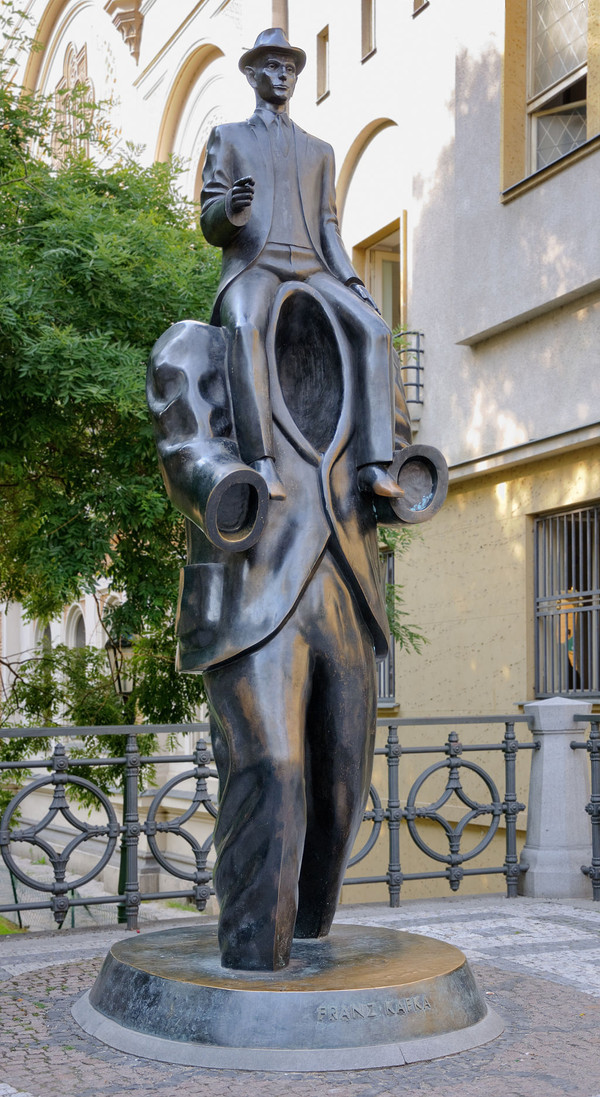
(60, 776)
(496, 807)
(411, 351)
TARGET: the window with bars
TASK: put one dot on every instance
(557, 79)
(386, 670)
(567, 603)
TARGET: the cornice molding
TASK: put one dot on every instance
(128, 19)
(536, 450)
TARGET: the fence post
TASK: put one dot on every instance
(511, 807)
(394, 816)
(558, 830)
(131, 836)
(593, 809)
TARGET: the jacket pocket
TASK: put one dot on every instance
(200, 605)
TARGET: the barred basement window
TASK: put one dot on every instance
(567, 603)
(386, 670)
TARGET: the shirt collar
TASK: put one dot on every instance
(269, 116)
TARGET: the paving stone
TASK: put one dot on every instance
(538, 964)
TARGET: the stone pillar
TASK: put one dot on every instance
(559, 838)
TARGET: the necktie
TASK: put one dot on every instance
(281, 132)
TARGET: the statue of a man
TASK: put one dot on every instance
(296, 376)
(268, 200)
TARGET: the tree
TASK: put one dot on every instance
(95, 262)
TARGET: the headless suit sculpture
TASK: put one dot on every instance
(283, 436)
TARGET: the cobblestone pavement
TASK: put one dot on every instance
(537, 962)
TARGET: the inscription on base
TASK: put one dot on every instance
(362, 1011)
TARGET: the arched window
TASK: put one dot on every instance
(43, 637)
(72, 114)
(76, 637)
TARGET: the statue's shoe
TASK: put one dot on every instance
(374, 478)
(266, 468)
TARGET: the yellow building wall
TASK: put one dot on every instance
(469, 584)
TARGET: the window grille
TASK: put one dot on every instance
(386, 670)
(557, 78)
(567, 603)
(411, 351)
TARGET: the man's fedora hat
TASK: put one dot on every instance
(272, 40)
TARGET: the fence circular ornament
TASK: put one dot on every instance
(455, 833)
(32, 835)
(374, 816)
(152, 827)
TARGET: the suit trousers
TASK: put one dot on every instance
(245, 312)
(293, 728)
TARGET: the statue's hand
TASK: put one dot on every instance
(241, 194)
(364, 295)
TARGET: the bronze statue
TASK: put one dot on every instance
(282, 431)
(268, 200)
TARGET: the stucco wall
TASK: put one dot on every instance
(469, 584)
(529, 269)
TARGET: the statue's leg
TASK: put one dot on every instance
(244, 312)
(375, 381)
(259, 710)
(340, 740)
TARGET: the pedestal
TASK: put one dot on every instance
(362, 997)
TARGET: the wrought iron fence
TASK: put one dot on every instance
(414, 810)
(593, 808)
(59, 776)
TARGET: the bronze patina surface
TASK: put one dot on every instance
(364, 996)
(351, 958)
(284, 437)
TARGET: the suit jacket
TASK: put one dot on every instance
(231, 602)
(243, 148)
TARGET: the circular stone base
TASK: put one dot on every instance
(362, 997)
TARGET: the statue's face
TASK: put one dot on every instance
(274, 78)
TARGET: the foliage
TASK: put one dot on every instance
(94, 265)
(95, 262)
(409, 638)
(71, 686)
(97, 257)
(9, 927)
